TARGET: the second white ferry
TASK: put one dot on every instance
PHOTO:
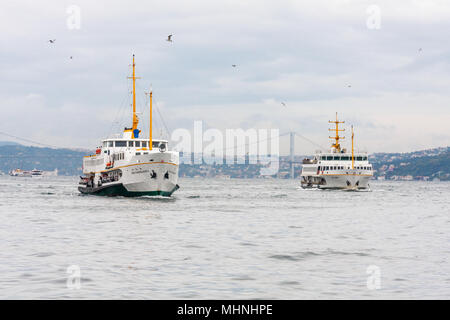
(131, 166)
(337, 169)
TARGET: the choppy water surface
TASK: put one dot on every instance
(242, 239)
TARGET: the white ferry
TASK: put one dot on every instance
(337, 169)
(131, 166)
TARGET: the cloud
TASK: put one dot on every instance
(303, 53)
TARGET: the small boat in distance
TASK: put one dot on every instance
(337, 169)
(131, 166)
(20, 173)
(32, 173)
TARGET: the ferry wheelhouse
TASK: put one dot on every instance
(337, 169)
(130, 166)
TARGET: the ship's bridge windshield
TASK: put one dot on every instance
(342, 158)
(131, 144)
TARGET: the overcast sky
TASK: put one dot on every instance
(318, 57)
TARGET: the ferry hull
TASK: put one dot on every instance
(346, 182)
(142, 179)
(338, 181)
(120, 190)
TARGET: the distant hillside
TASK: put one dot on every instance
(420, 165)
(8, 143)
(68, 162)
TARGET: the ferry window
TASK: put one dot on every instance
(121, 143)
(359, 158)
(318, 168)
(138, 153)
(155, 144)
(336, 158)
(364, 158)
(144, 144)
(110, 143)
(137, 143)
(130, 144)
(105, 144)
(345, 158)
(329, 158)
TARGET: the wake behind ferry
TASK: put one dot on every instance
(337, 169)
(131, 166)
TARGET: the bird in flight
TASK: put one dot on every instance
(169, 38)
(283, 104)
(349, 86)
(71, 57)
(52, 41)
(420, 49)
(233, 65)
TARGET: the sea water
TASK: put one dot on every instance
(225, 239)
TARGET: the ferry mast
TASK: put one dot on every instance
(151, 121)
(134, 133)
(336, 144)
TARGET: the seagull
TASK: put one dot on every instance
(233, 65)
(420, 49)
(71, 57)
(52, 41)
(349, 86)
(284, 104)
(169, 38)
